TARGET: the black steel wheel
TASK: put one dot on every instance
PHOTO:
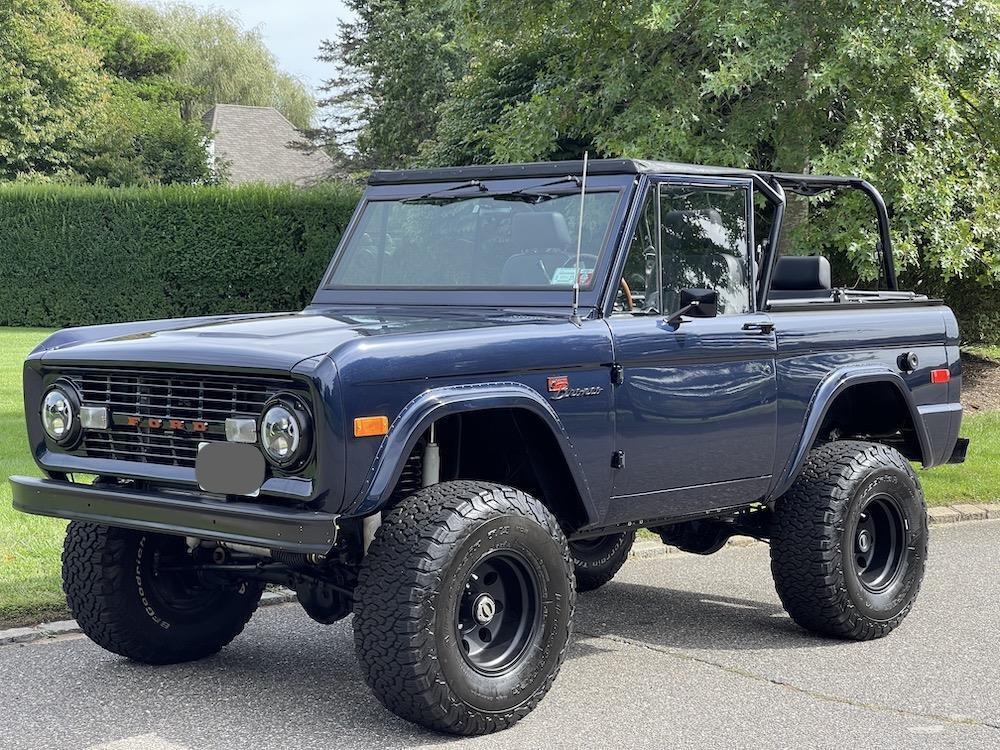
(849, 546)
(879, 543)
(137, 595)
(499, 613)
(598, 559)
(464, 607)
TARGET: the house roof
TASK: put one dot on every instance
(257, 144)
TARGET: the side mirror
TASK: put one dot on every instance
(698, 303)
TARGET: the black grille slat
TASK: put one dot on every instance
(182, 396)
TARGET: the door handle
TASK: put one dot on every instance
(759, 328)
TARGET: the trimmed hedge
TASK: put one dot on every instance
(84, 255)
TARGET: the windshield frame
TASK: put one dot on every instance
(490, 296)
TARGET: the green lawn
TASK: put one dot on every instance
(30, 545)
(978, 479)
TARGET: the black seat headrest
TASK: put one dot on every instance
(539, 230)
(801, 273)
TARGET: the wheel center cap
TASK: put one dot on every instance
(864, 541)
(484, 609)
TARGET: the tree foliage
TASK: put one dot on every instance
(392, 65)
(50, 86)
(223, 62)
(89, 98)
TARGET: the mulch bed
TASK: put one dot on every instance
(980, 384)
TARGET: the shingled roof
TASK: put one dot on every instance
(257, 144)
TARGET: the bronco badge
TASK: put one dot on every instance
(559, 388)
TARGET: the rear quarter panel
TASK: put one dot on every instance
(813, 344)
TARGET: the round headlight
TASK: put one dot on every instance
(283, 433)
(58, 415)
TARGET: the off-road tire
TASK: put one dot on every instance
(598, 560)
(107, 580)
(813, 547)
(409, 597)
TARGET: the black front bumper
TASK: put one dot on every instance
(180, 514)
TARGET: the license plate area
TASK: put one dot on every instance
(230, 468)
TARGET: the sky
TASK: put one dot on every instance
(292, 29)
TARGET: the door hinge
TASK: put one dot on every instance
(618, 460)
(617, 374)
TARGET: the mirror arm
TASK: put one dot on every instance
(678, 317)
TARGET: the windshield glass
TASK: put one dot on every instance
(520, 240)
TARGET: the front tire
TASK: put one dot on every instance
(598, 559)
(850, 541)
(124, 599)
(464, 607)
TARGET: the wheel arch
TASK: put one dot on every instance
(522, 402)
(833, 400)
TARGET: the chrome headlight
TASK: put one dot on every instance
(60, 414)
(284, 432)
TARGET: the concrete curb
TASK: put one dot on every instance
(643, 550)
(69, 627)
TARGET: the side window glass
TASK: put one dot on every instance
(639, 276)
(705, 245)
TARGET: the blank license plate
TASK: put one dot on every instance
(230, 468)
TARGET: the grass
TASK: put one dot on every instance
(984, 351)
(978, 479)
(30, 545)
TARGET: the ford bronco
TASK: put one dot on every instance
(505, 372)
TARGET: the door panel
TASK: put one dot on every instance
(696, 414)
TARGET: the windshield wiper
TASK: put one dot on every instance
(522, 195)
(531, 195)
(430, 198)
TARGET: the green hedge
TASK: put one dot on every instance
(83, 255)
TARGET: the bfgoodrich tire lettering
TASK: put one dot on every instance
(850, 542)
(124, 605)
(597, 560)
(411, 595)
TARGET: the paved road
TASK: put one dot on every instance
(678, 652)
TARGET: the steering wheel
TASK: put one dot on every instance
(627, 294)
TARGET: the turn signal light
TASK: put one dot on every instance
(370, 426)
(940, 376)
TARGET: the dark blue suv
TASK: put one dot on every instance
(506, 371)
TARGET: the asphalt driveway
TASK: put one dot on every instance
(678, 652)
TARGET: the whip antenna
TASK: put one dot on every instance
(579, 243)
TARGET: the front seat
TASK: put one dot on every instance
(544, 242)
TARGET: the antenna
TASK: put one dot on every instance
(575, 318)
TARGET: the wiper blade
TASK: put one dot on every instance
(522, 195)
(430, 198)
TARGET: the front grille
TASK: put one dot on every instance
(161, 417)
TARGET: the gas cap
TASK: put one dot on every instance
(907, 361)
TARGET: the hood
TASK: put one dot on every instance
(265, 342)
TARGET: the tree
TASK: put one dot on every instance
(905, 94)
(392, 67)
(88, 97)
(50, 85)
(222, 62)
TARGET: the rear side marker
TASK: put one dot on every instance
(940, 376)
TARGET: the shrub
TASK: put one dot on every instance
(81, 255)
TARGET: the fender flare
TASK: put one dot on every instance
(823, 397)
(430, 406)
